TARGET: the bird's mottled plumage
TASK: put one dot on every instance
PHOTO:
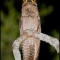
(30, 23)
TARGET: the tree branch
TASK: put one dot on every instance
(52, 41)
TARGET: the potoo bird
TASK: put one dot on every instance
(30, 23)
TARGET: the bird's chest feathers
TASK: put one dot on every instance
(30, 23)
(30, 17)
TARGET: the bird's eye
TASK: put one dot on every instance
(25, 1)
(33, 1)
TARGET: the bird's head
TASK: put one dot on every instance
(29, 1)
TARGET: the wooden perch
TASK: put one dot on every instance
(30, 34)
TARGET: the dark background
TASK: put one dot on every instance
(10, 13)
